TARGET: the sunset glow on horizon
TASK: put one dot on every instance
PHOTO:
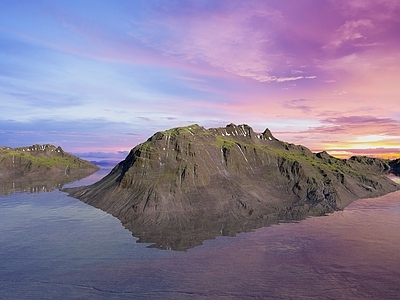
(103, 76)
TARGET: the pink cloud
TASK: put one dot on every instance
(298, 104)
(351, 30)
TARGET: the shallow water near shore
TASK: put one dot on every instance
(53, 246)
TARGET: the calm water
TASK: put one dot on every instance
(53, 247)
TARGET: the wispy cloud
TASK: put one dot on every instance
(146, 119)
(283, 79)
(230, 41)
(359, 126)
(298, 104)
(350, 31)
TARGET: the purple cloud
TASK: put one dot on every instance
(299, 104)
(146, 119)
(359, 125)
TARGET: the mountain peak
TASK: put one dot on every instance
(40, 148)
(267, 135)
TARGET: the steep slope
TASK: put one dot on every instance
(39, 167)
(188, 184)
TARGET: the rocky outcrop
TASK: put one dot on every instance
(188, 184)
(395, 166)
(39, 168)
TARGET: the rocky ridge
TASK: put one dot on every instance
(39, 168)
(188, 184)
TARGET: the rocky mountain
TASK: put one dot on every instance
(188, 184)
(395, 166)
(39, 168)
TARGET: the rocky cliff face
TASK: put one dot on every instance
(39, 168)
(395, 166)
(188, 184)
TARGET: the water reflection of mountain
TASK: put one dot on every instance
(27, 185)
(185, 233)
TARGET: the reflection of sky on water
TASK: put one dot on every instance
(55, 228)
(90, 179)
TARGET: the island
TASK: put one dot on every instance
(39, 168)
(188, 184)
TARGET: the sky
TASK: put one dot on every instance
(103, 76)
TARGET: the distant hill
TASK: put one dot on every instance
(188, 184)
(39, 168)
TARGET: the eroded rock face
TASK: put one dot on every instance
(39, 168)
(395, 166)
(189, 184)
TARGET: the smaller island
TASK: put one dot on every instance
(39, 168)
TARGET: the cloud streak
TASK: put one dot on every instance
(359, 125)
(298, 104)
